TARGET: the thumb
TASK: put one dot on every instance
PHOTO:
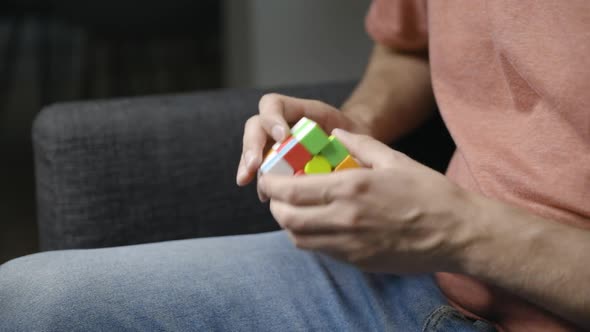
(369, 151)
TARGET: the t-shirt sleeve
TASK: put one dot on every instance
(399, 24)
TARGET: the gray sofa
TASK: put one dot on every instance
(127, 171)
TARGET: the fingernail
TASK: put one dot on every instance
(339, 132)
(278, 133)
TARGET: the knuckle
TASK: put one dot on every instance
(361, 143)
(297, 225)
(291, 195)
(250, 127)
(298, 242)
(348, 191)
(362, 183)
(320, 107)
(353, 218)
(326, 194)
(355, 186)
(359, 254)
(285, 216)
(322, 113)
(269, 99)
(252, 121)
(253, 135)
(365, 140)
(317, 104)
(274, 209)
(397, 157)
(288, 220)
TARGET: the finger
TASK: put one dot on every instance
(316, 189)
(240, 172)
(277, 111)
(307, 219)
(252, 148)
(299, 190)
(261, 195)
(367, 150)
(333, 244)
(347, 247)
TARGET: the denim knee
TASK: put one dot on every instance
(40, 293)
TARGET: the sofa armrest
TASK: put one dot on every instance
(138, 170)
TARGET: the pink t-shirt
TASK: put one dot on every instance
(512, 82)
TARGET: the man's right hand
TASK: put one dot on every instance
(276, 114)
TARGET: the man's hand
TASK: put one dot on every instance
(396, 216)
(276, 113)
(394, 97)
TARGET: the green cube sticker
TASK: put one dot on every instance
(334, 151)
(310, 135)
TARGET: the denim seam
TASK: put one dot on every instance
(433, 320)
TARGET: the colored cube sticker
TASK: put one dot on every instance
(308, 151)
(294, 153)
(318, 165)
(347, 163)
(310, 135)
(275, 164)
(335, 152)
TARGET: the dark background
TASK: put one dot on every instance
(55, 51)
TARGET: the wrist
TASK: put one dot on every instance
(367, 121)
(476, 232)
(463, 210)
(494, 228)
(359, 116)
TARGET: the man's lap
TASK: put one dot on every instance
(250, 282)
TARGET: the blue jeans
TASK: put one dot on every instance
(235, 283)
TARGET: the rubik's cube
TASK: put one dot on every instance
(308, 150)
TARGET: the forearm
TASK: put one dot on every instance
(394, 96)
(540, 260)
